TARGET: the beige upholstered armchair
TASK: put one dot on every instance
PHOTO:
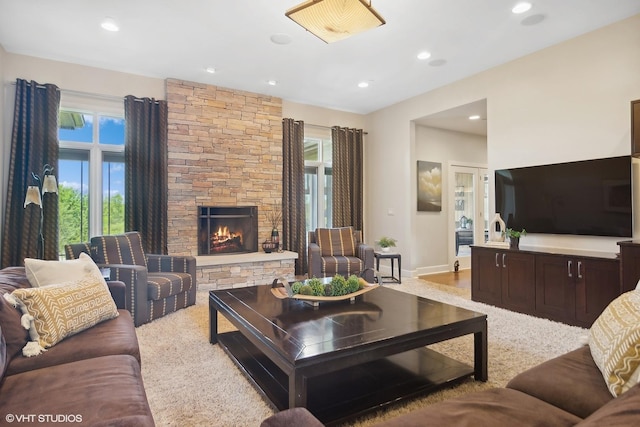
(156, 284)
(339, 251)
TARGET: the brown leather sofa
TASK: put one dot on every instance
(566, 391)
(91, 379)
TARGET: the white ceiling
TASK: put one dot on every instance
(179, 39)
(457, 119)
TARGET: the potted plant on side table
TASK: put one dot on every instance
(514, 237)
(386, 243)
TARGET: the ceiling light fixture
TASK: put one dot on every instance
(333, 20)
(424, 55)
(272, 82)
(363, 84)
(521, 7)
(474, 117)
(110, 24)
(210, 70)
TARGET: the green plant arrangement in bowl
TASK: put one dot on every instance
(336, 288)
(386, 243)
(514, 237)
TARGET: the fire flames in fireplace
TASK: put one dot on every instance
(225, 240)
(227, 229)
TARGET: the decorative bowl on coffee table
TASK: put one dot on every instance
(281, 289)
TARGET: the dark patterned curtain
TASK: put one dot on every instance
(34, 143)
(347, 177)
(293, 212)
(145, 157)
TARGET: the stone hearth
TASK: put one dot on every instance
(239, 270)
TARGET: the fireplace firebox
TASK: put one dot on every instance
(227, 230)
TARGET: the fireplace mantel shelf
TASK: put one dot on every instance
(211, 260)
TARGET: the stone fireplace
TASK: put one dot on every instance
(224, 149)
(227, 230)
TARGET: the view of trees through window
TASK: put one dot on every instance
(318, 181)
(90, 176)
(73, 204)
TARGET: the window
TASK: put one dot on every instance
(90, 173)
(318, 178)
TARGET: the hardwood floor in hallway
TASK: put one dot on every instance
(460, 279)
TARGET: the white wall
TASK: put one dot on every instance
(81, 78)
(566, 102)
(322, 116)
(445, 147)
(391, 146)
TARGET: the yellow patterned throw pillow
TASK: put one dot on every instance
(614, 341)
(54, 312)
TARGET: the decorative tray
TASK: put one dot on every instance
(283, 292)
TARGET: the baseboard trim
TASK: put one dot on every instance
(421, 271)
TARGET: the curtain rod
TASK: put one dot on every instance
(87, 94)
(326, 127)
(92, 95)
(99, 95)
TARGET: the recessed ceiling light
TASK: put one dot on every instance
(521, 7)
(363, 84)
(110, 24)
(424, 55)
(272, 82)
(210, 70)
(474, 117)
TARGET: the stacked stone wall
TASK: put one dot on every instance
(225, 149)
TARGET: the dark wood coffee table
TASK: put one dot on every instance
(342, 359)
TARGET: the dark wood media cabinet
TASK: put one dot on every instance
(571, 287)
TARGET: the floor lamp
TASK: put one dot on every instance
(42, 186)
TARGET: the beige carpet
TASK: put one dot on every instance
(192, 383)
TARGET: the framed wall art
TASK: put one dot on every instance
(429, 186)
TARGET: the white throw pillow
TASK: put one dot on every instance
(43, 273)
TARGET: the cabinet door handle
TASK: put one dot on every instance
(497, 265)
(504, 264)
(569, 265)
(579, 269)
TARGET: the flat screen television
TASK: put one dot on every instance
(590, 198)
